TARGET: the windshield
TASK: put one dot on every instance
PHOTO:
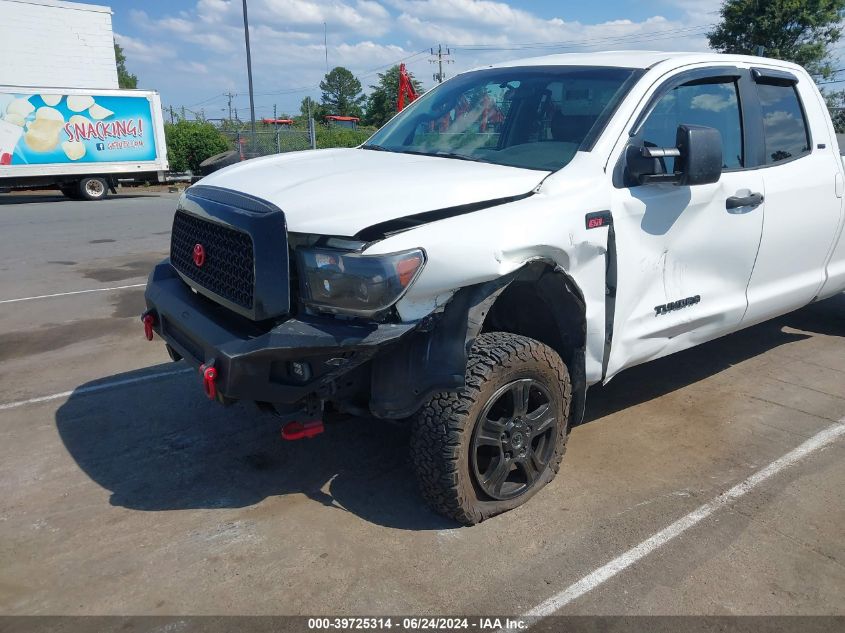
(531, 117)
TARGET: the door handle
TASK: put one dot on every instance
(752, 200)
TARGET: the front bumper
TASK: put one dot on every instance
(255, 362)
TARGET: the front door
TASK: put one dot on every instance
(685, 254)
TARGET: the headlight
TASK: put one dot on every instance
(351, 283)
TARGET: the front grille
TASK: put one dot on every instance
(229, 267)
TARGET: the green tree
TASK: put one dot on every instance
(191, 142)
(836, 106)
(125, 79)
(799, 31)
(382, 101)
(317, 110)
(342, 93)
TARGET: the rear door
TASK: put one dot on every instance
(684, 254)
(803, 182)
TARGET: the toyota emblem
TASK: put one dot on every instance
(199, 255)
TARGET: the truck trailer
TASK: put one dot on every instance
(63, 121)
(78, 140)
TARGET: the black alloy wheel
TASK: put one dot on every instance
(514, 439)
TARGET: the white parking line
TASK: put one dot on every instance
(94, 388)
(634, 555)
(74, 292)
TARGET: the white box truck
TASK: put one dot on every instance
(63, 121)
(78, 140)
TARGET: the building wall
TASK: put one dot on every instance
(50, 43)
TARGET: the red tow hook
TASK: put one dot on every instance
(300, 430)
(209, 378)
(149, 321)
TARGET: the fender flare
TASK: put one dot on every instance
(433, 358)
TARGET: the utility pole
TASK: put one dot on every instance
(231, 96)
(326, 45)
(312, 132)
(440, 59)
(249, 73)
(276, 131)
(172, 116)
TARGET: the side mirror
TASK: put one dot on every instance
(697, 154)
(701, 155)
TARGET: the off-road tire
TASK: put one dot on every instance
(442, 430)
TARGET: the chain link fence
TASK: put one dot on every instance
(269, 141)
(191, 148)
(277, 139)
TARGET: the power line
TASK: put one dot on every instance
(209, 100)
(286, 91)
(580, 46)
(597, 39)
(630, 38)
(393, 63)
(366, 73)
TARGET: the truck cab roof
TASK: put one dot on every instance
(639, 59)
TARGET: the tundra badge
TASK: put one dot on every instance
(676, 305)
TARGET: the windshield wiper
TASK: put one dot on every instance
(474, 159)
(382, 148)
(445, 155)
(377, 148)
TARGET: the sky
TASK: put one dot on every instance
(192, 51)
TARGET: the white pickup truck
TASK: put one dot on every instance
(517, 234)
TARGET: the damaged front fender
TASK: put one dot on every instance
(543, 243)
(434, 358)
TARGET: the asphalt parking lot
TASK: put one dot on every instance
(123, 490)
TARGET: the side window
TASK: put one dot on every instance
(711, 102)
(784, 124)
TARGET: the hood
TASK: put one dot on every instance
(342, 191)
